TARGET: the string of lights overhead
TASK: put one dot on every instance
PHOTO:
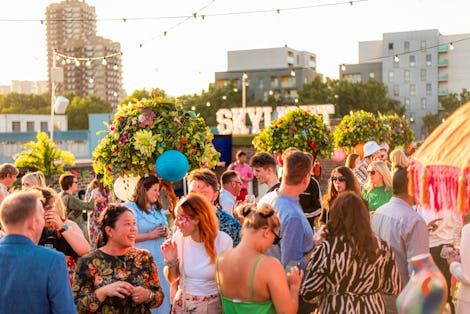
(66, 59)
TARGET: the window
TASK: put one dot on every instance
(412, 89)
(423, 75)
(424, 103)
(407, 75)
(428, 60)
(428, 89)
(406, 46)
(30, 126)
(396, 90)
(407, 103)
(15, 126)
(371, 75)
(412, 61)
(274, 81)
(390, 48)
(423, 45)
(43, 126)
(390, 77)
(261, 83)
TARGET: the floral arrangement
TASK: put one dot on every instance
(398, 132)
(358, 127)
(298, 128)
(142, 131)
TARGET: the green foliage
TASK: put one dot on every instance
(362, 126)
(143, 130)
(398, 131)
(79, 108)
(43, 155)
(141, 94)
(25, 103)
(298, 128)
(358, 127)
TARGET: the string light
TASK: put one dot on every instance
(451, 46)
(396, 58)
(104, 62)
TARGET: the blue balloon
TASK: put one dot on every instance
(172, 165)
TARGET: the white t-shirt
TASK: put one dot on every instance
(199, 274)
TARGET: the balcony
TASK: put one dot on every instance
(443, 48)
(443, 62)
(443, 77)
(443, 91)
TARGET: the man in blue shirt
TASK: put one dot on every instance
(296, 232)
(34, 278)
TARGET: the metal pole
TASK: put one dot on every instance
(52, 93)
(244, 77)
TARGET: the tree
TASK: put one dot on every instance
(43, 155)
(140, 94)
(79, 108)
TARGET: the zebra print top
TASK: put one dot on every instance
(346, 285)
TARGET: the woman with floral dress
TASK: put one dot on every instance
(152, 227)
(117, 278)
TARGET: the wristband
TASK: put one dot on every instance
(174, 264)
(151, 296)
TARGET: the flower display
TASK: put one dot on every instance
(361, 127)
(298, 128)
(358, 127)
(142, 131)
(398, 131)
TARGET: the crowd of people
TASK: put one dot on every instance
(219, 250)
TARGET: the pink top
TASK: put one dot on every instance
(245, 172)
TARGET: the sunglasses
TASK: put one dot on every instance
(277, 238)
(371, 172)
(340, 179)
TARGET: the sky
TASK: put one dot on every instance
(186, 59)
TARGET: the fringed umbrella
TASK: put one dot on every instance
(440, 168)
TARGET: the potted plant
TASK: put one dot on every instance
(298, 128)
(398, 132)
(358, 127)
(143, 130)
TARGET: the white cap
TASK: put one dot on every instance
(370, 148)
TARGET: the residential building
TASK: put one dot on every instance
(29, 87)
(91, 64)
(417, 67)
(278, 72)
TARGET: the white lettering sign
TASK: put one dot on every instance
(233, 121)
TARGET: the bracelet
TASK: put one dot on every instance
(151, 296)
(173, 264)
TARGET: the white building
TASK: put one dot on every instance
(16, 123)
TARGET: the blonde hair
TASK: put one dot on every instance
(398, 159)
(258, 216)
(34, 179)
(380, 167)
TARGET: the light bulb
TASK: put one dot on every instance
(88, 63)
(77, 62)
(91, 80)
(208, 104)
(451, 46)
(193, 108)
(68, 61)
(104, 62)
(396, 58)
(115, 67)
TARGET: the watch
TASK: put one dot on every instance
(64, 228)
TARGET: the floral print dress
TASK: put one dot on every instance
(98, 269)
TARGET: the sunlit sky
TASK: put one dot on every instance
(184, 61)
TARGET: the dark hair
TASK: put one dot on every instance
(228, 176)
(18, 207)
(108, 218)
(400, 181)
(204, 175)
(240, 153)
(351, 160)
(139, 196)
(350, 219)
(66, 181)
(297, 165)
(258, 216)
(263, 160)
(351, 185)
(8, 169)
